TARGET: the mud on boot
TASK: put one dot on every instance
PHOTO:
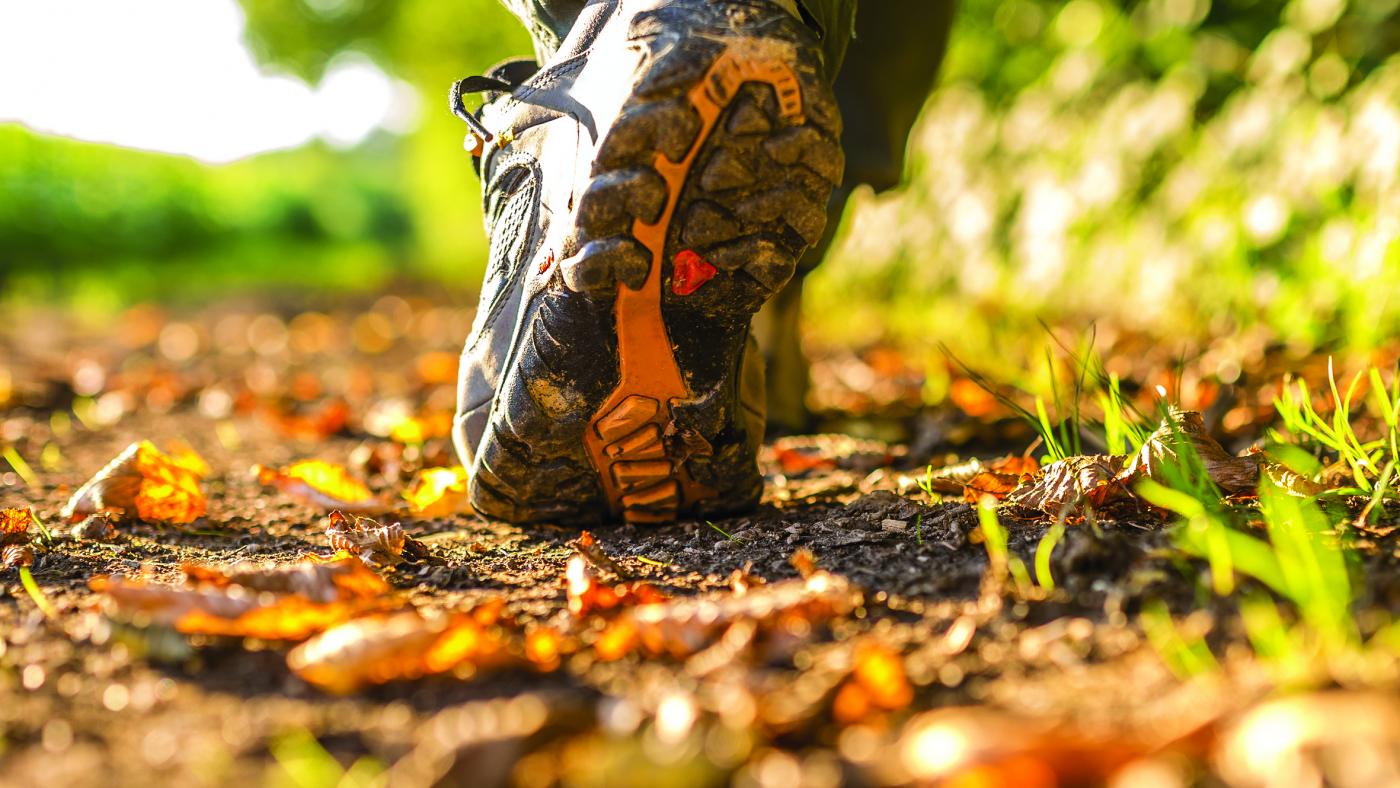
(646, 191)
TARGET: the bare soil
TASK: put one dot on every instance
(85, 700)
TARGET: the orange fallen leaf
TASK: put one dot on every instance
(798, 461)
(999, 478)
(14, 525)
(321, 484)
(801, 454)
(273, 602)
(183, 455)
(405, 645)
(804, 562)
(784, 615)
(438, 492)
(1020, 464)
(144, 482)
(997, 485)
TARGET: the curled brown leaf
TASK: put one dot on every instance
(375, 544)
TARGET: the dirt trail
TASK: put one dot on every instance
(92, 701)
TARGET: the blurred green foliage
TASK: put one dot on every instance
(1187, 168)
(429, 45)
(70, 203)
(102, 226)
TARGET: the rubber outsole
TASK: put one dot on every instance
(703, 194)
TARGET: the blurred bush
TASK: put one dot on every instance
(107, 226)
(143, 225)
(1189, 168)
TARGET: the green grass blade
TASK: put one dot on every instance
(36, 593)
(1043, 553)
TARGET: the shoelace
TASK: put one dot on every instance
(476, 84)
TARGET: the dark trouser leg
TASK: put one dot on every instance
(889, 69)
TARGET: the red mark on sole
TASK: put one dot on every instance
(546, 262)
(689, 272)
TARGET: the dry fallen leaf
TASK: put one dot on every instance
(404, 645)
(1094, 480)
(321, 484)
(975, 478)
(1232, 474)
(183, 454)
(1016, 464)
(269, 601)
(587, 546)
(375, 544)
(1293, 483)
(438, 492)
(97, 528)
(16, 555)
(144, 483)
(783, 616)
(804, 562)
(999, 477)
(1067, 485)
(14, 525)
(796, 462)
(797, 455)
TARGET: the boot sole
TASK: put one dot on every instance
(705, 191)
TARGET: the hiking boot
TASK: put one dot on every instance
(646, 191)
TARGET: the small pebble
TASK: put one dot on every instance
(894, 525)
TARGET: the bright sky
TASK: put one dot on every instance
(174, 76)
